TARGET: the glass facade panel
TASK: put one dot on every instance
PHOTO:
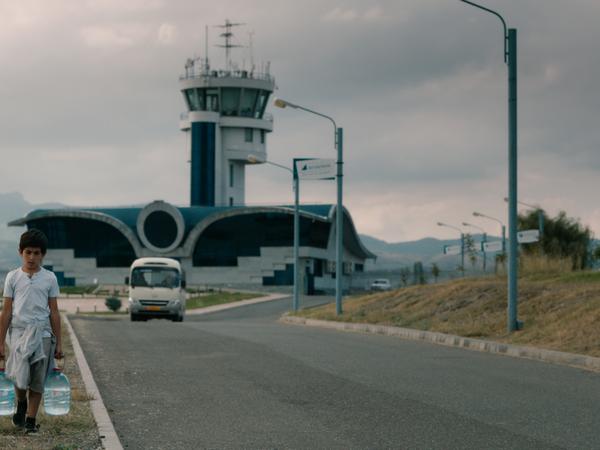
(192, 100)
(227, 239)
(263, 97)
(248, 102)
(88, 238)
(249, 134)
(212, 100)
(200, 94)
(230, 101)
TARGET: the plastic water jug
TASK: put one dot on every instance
(7, 395)
(57, 394)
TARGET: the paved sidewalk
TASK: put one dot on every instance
(96, 304)
(87, 304)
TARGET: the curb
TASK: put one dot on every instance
(250, 301)
(106, 430)
(516, 351)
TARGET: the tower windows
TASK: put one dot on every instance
(248, 102)
(262, 136)
(249, 134)
(261, 104)
(230, 175)
(212, 100)
(230, 101)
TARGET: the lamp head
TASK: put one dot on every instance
(440, 224)
(476, 214)
(252, 159)
(506, 199)
(281, 103)
(465, 224)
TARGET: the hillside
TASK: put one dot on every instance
(560, 311)
(392, 256)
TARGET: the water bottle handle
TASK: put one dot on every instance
(57, 366)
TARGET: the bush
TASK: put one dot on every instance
(113, 303)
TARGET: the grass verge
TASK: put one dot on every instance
(218, 298)
(76, 430)
(560, 311)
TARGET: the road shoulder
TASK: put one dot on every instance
(517, 351)
(106, 430)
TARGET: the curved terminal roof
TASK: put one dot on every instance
(197, 219)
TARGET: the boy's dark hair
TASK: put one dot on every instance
(33, 238)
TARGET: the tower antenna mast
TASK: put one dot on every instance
(227, 34)
(206, 66)
(251, 48)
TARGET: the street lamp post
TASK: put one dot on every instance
(296, 183)
(462, 245)
(503, 228)
(510, 57)
(339, 145)
(466, 224)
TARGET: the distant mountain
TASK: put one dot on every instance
(13, 206)
(392, 256)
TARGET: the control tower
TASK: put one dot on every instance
(226, 123)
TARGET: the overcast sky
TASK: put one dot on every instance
(90, 104)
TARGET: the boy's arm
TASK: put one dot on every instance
(55, 324)
(4, 322)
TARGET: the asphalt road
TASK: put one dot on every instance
(239, 379)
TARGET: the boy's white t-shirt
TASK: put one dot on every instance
(30, 295)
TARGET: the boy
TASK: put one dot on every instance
(30, 315)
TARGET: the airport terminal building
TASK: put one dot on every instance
(216, 245)
(218, 239)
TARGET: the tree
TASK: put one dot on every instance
(113, 303)
(563, 237)
(470, 249)
(404, 275)
(435, 271)
(418, 273)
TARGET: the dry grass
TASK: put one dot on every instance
(76, 430)
(561, 310)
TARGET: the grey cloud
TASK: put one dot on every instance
(420, 89)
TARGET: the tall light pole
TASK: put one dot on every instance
(466, 224)
(296, 183)
(339, 214)
(510, 58)
(462, 245)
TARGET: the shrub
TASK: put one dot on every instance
(113, 303)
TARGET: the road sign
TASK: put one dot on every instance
(451, 249)
(495, 246)
(316, 169)
(528, 236)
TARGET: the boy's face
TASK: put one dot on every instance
(32, 258)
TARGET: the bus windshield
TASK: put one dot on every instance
(165, 277)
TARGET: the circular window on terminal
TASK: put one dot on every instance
(160, 228)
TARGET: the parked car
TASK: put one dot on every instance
(381, 284)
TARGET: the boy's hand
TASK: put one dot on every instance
(58, 354)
